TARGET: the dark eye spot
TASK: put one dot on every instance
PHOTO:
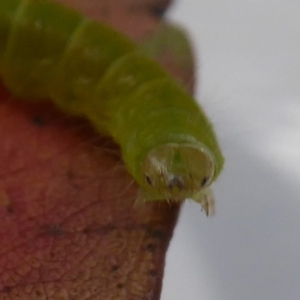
(148, 179)
(205, 181)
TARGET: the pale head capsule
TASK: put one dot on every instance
(177, 171)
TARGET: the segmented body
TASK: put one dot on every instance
(87, 68)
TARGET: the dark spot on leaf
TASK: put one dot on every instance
(52, 230)
(106, 229)
(120, 285)
(115, 268)
(70, 174)
(38, 121)
(150, 247)
(52, 254)
(7, 289)
(10, 209)
(157, 234)
(86, 230)
(101, 230)
(153, 273)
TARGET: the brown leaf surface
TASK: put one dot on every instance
(69, 227)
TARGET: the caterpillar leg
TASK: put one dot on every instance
(206, 198)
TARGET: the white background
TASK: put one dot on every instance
(249, 61)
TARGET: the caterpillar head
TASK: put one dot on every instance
(177, 171)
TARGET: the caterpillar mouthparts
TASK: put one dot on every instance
(177, 171)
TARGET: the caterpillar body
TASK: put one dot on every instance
(87, 68)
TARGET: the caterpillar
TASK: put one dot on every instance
(87, 68)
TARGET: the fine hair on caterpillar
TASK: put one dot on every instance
(89, 69)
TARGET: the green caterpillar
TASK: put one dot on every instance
(87, 68)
